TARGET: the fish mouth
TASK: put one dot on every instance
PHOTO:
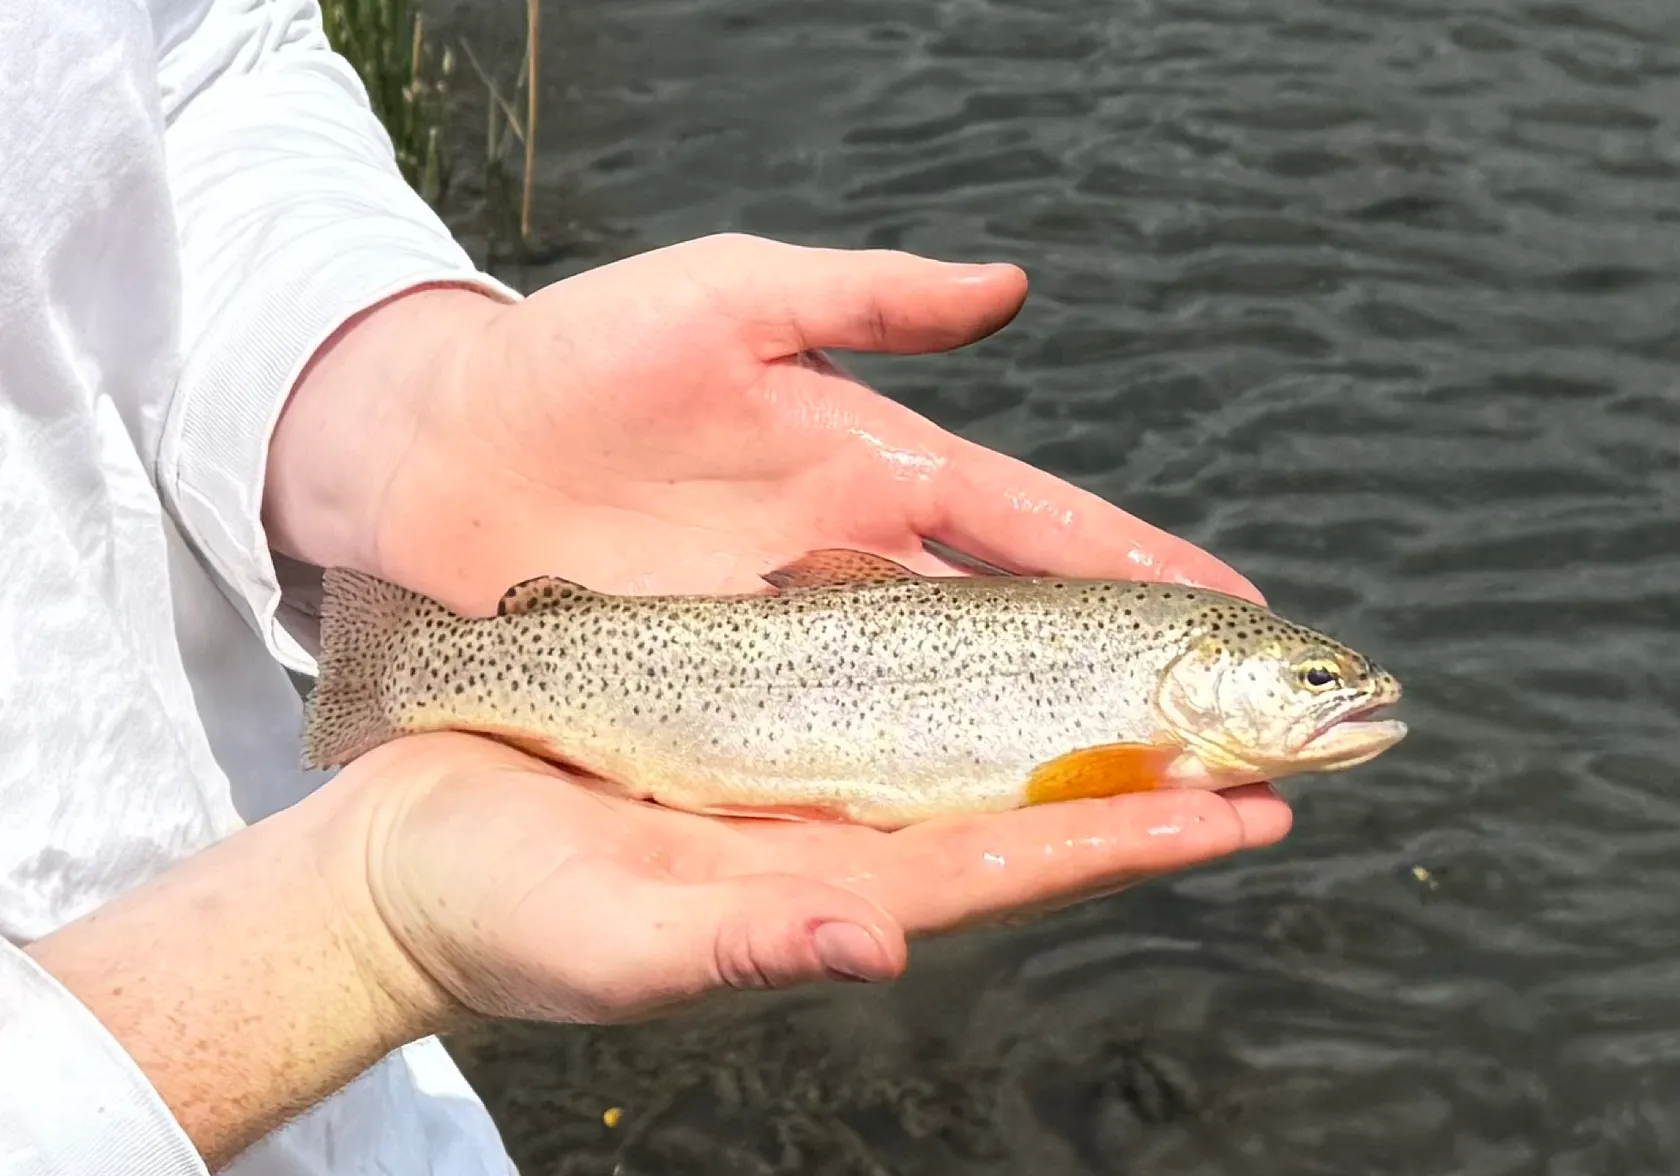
(1353, 737)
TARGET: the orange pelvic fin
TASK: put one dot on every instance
(834, 567)
(1107, 770)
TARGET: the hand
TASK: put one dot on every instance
(508, 890)
(666, 423)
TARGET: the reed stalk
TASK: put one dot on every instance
(532, 28)
(407, 81)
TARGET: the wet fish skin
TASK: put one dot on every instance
(858, 690)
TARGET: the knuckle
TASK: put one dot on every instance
(738, 961)
(727, 242)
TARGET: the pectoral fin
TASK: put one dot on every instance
(1106, 770)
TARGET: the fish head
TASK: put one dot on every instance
(1255, 696)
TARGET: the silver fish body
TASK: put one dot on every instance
(858, 690)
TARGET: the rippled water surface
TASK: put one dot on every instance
(1380, 301)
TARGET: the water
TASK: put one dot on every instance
(1380, 301)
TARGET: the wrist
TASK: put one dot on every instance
(360, 807)
(253, 979)
(354, 411)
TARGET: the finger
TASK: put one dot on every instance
(791, 298)
(1266, 817)
(635, 946)
(947, 874)
(1007, 512)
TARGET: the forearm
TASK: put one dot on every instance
(250, 981)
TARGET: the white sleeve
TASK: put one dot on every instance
(72, 1101)
(293, 218)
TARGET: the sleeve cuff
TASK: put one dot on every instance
(213, 456)
(71, 1099)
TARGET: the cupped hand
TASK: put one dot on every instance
(669, 423)
(520, 894)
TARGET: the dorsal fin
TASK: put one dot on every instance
(836, 567)
(541, 594)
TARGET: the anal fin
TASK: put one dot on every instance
(773, 812)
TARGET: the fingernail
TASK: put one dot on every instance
(850, 953)
(974, 273)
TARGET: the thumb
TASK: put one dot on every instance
(791, 298)
(634, 946)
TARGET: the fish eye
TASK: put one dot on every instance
(1320, 675)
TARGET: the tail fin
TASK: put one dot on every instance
(362, 623)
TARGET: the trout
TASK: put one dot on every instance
(858, 690)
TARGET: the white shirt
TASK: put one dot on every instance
(193, 196)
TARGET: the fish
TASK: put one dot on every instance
(855, 689)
